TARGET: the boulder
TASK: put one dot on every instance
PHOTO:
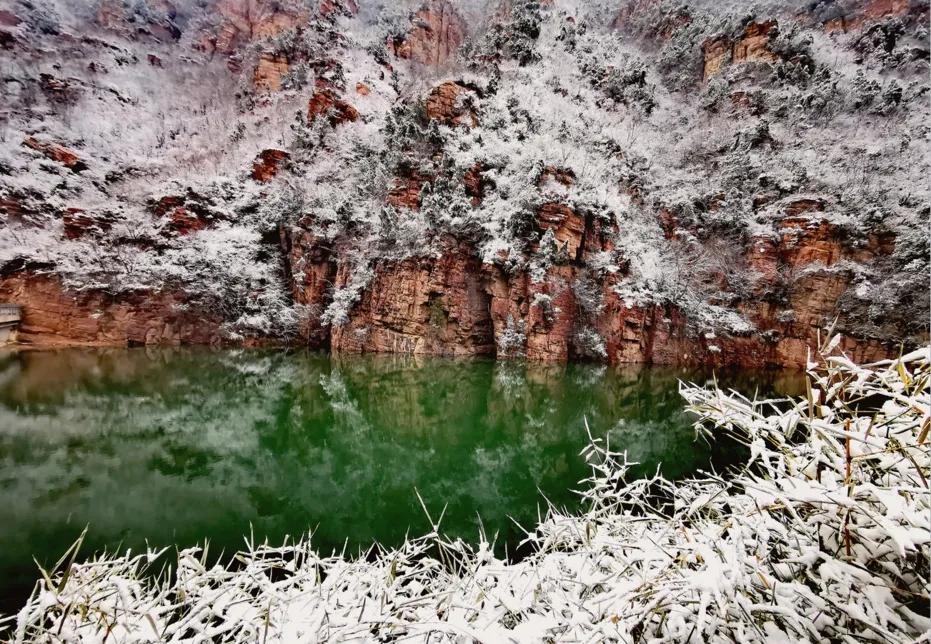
(446, 104)
(326, 103)
(268, 164)
(58, 153)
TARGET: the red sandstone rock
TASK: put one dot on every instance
(159, 20)
(8, 18)
(562, 176)
(474, 183)
(445, 104)
(61, 154)
(346, 7)
(52, 316)
(14, 209)
(545, 313)
(754, 44)
(111, 15)
(857, 13)
(568, 226)
(405, 192)
(77, 223)
(747, 102)
(325, 102)
(165, 205)
(247, 21)
(184, 222)
(551, 327)
(268, 164)
(185, 214)
(751, 46)
(668, 25)
(312, 269)
(58, 90)
(800, 205)
(599, 237)
(436, 33)
(269, 72)
(421, 306)
(362, 89)
(716, 52)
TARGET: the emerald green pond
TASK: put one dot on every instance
(183, 446)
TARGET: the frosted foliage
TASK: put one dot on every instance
(822, 535)
(683, 174)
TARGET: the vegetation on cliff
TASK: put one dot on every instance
(725, 171)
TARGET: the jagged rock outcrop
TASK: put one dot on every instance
(54, 316)
(474, 183)
(406, 188)
(269, 72)
(58, 153)
(850, 15)
(336, 7)
(663, 29)
(802, 238)
(268, 164)
(436, 33)
(568, 226)
(424, 305)
(326, 103)
(183, 214)
(246, 21)
(750, 46)
(446, 103)
(311, 267)
(77, 223)
(157, 21)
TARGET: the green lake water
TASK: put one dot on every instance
(182, 446)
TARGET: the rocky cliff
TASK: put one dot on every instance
(649, 181)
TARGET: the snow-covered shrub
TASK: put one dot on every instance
(620, 76)
(587, 343)
(514, 36)
(588, 295)
(447, 208)
(344, 298)
(512, 343)
(821, 535)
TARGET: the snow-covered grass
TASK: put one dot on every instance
(822, 535)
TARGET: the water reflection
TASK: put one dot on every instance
(178, 446)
